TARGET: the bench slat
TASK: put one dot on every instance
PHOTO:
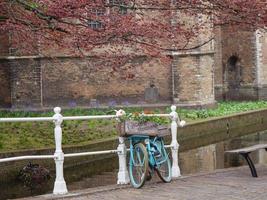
(248, 149)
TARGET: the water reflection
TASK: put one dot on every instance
(211, 157)
(203, 159)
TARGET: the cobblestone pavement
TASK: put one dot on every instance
(227, 184)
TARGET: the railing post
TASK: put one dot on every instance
(60, 184)
(174, 144)
(123, 175)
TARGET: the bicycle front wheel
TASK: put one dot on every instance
(163, 162)
(138, 167)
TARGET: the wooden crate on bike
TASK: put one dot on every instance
(129, 127)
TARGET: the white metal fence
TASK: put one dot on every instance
(123, 176)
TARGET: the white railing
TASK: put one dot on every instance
(123, 176)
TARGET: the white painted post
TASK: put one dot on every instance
(123, 175)
(60, 184)
(174, 144)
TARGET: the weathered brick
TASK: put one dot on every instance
(5, 87)
(80, 80)
(242, 45)
(194, 77)
(26, 88)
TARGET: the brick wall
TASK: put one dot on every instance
(76, 81)
(263, 54)
(194, 79)
(242, 45)
(4, 44)
(5, 92)
(218, 69)
(193, 69)
(25, 83)
(262, 65)
(4, 36)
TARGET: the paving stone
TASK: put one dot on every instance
(227, 184)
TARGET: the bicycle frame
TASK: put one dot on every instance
(151, 147)
(133, 140)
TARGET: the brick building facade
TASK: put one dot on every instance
(240, 65)
(233, 67)
(67, 81)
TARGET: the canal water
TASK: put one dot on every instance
(203, 159)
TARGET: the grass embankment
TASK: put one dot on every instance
(29, 135)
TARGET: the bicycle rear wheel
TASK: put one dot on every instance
(163, 163)
(138, 167)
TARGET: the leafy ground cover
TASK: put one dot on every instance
(29, 135)
(223, 109)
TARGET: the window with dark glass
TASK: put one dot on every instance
(95, 23)
(114, 6)
(118, 6)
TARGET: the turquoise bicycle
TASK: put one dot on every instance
(148, 154)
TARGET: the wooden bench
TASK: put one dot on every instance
(245, 153)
